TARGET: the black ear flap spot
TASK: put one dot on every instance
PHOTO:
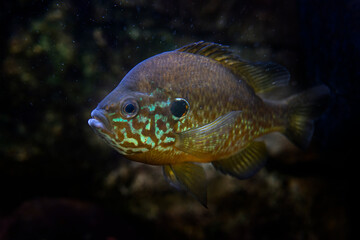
(179, 107)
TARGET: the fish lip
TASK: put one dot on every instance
(99, 120)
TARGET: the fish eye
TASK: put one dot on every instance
(129, 108)
(179, 107)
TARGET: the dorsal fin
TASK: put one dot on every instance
(262, 77)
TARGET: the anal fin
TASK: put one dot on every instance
(190, 177)
(245, 163)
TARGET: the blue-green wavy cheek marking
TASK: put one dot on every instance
(138, 148)
(143, 143)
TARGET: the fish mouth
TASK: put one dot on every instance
(99, 121)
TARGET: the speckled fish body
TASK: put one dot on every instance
(211, 90)
(199, 104)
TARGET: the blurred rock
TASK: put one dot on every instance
(64, 219)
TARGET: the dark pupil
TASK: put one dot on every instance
(178, 108)
(129, 108)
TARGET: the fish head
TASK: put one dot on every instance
(113, 120)
(139, 124)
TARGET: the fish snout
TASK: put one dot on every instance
(99, 120)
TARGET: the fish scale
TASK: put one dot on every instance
(201, 103)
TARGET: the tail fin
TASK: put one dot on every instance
(303, 109)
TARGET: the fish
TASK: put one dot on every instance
(202, 103)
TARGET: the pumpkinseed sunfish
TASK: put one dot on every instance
(201, 104)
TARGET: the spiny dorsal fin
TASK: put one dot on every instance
(262, 77)
(245, 163)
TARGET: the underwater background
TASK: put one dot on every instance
(58, 180)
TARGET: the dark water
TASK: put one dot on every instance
(59, 181)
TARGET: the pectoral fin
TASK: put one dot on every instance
(210, 139)
(245, 163)
(188, 176)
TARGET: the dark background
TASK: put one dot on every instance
(58, 180)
